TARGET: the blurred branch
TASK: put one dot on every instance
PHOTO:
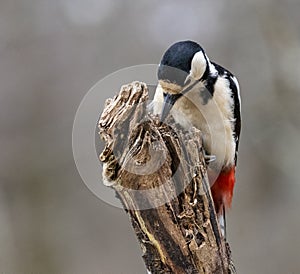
(159, 174)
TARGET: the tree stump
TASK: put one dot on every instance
(159, 173)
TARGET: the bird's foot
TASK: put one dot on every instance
(209, 158)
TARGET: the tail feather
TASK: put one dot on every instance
(222, 191)
(222, 222)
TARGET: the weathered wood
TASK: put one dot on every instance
(159, 174)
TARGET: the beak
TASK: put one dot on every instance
(169, 101)
(171, 98)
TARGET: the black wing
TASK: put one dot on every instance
(233, 84)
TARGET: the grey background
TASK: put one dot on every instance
(52, 52)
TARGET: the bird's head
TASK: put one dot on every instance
(182, 66)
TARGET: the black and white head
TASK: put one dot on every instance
(181, 60)
(182, 66)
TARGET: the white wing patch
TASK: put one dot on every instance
(234, 79)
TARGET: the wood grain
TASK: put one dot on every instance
(159, 174)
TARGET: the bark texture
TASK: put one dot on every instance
(159, 174)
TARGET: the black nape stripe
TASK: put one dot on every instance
(210, 86)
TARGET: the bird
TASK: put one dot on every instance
(199, 93)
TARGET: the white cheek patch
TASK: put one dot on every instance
(198, 65)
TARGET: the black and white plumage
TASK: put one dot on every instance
(186, 70)
(198, 92)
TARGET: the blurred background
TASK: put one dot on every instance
(52, 52)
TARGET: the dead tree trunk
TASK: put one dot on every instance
(159, 173)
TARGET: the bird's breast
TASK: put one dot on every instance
(213, 117)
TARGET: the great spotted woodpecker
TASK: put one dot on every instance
(200, 93)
